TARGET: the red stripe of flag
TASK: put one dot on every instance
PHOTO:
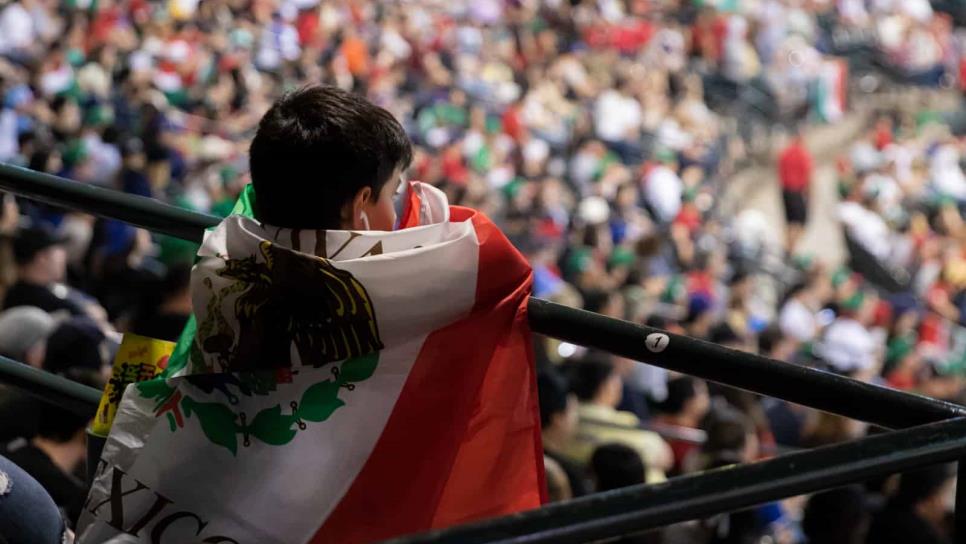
(463, 440)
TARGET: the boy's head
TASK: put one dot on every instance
(324, 158)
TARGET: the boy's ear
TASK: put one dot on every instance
(364, 195)
(352, 212)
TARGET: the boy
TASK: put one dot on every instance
(345, 382)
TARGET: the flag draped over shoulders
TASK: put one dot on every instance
(333, 386)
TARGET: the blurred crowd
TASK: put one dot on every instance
(903, 194)
(911, 39)
(600, 135)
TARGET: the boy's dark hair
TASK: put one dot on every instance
(615, 466)
(315, 148)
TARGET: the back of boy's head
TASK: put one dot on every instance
(315, 148)
(615, 466)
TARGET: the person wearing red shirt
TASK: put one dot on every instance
(883, 133)
(795, 174)
(686, 405)
(512, 121)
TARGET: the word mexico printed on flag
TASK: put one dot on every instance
(333, 386)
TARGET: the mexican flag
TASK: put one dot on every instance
(831, 90)
(335, 386)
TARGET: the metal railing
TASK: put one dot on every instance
(928, 438)
(636, 509)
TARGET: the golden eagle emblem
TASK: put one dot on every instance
(292, 298)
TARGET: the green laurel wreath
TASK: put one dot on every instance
(222, 425)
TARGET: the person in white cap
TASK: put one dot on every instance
(23, 334)
(23, 337)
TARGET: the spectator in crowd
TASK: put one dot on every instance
(795, 174)
(788, 422)
(41, 266)
(78, 348)
(824, 429)
(848, 345)
(837, 516)
(558, 485)
(686, 405)
(613, 466)
(55, 455)
(918, 512)
(799, 317)
(616, 465)
(700, 319)
(165, 317)
(23, 334)
(23, 337)
(732, 439)
(558, 419)
(598, 388)
(124, 270)
(907, 369)
(601, 136)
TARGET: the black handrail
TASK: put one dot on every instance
(78, 398)
(642, 507)
(801, 385)
(136, 210)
